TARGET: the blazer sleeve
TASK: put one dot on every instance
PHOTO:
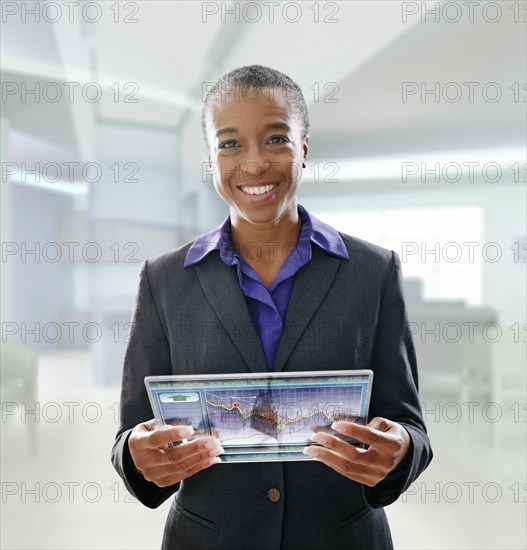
(395, 389)
(147, 354)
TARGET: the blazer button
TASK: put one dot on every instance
(274, 495)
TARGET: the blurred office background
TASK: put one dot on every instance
(401, 154)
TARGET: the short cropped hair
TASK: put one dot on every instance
(251, 78)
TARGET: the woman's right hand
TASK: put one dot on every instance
(164, 465)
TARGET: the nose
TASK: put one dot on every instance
(252, 170)
(255, 164)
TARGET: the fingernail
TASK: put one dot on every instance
(337, 426)
(212, 444)
(217, 451)
(215, 461)
(186, 431)
(310, 451)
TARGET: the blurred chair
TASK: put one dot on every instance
(452, 353)
(455, 347)
(510, 377)
(19, 385)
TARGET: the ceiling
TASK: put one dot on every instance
(361, 51)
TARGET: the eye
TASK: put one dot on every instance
(224, 144)
(279, 137)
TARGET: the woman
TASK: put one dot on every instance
(271, 288)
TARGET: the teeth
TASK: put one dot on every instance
(258, 190)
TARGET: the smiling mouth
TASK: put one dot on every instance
(260, 190)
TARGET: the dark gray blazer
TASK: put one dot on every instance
(341, 315)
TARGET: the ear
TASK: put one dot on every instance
(305, 147)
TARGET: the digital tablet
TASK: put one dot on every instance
(262, 416)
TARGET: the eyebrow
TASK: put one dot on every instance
(272, 126)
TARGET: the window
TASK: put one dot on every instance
(441, 246)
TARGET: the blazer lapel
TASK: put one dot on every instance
(311, 284)
(226, 298)
(222, 288)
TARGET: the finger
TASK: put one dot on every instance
(397, 437)
(181, 466)
(381, 424)
(362, 473)
(176, 478)
(152, 424)
(161, 437)
(183, 473)
(175, 465)
(154, 458)
(365, 434)
(205, 447)
(372, 455)
(192, 448)
(369, 478)
(341, 447)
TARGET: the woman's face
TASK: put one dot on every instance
(255, 141)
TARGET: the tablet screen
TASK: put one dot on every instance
(263, 416)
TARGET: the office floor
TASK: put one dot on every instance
(68, 496)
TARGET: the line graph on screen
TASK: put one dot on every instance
(286, 415)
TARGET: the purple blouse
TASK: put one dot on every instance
(268, 305)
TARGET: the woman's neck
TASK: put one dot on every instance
(266, 243)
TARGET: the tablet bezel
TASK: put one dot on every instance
(230, 457)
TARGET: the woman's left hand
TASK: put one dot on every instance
(388, 444)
